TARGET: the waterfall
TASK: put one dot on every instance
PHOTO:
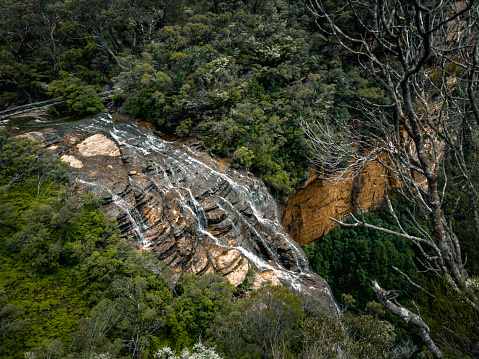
(198, 214)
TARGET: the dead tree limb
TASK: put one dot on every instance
(408, 316)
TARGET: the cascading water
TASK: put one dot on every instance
(198, 214)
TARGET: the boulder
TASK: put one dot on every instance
(98, 145)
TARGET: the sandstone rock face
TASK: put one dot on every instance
(98, 145)
(71, 160)
(197, 213)
(306, 216)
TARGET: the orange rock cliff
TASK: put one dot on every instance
(306, 216)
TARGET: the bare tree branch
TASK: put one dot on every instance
(429, 68)
(407, 316)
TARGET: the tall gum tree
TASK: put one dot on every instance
(425, 56)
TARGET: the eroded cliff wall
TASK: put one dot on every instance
(306, 216)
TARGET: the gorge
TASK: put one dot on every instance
(184, 211)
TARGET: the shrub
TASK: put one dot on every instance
(199, 352)
(81, 98)
(244, 156)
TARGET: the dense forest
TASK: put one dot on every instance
(72, 289)
(236, 75)
(241, 76)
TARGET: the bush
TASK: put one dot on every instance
(349, 336)
(199, 352)
(193, 311)
(81, 98)
(244, 156)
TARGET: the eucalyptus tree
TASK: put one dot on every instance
(101, 21)
(139, 313)
(425, 56)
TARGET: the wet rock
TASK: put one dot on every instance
(105, 197)
(193, 211)
(209, 205)
(221, 227)
(215, 216)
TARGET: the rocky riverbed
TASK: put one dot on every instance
(196, 212)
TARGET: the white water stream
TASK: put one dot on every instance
(179, 171)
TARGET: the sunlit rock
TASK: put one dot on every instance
(34, 136)
(267, 276)
(72, 161)
(98, 145)
(306, 216)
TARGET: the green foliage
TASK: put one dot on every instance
(23, 160)
(15, 74)
(183, 128)
(274, 322)
(452, 320)
(261, 323)
(349, 336)
(81, 98)
(61, 256)
(139, 303)
(86, 294)
(236, 74)
(193, 310)
(375, 308)
(90, 337)
(40, 231)
(241, 81)
(17, 158)
(350, 258)
(348, 300)
(244, 156)
(9, 317)
(245, 286)
(51, 303)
